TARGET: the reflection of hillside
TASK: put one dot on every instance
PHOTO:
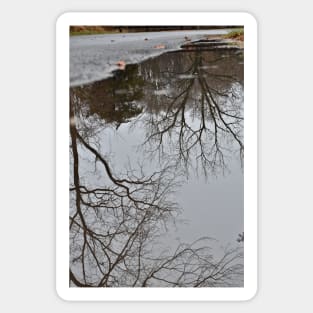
(151, 84)
(171, 73)
(115, 99)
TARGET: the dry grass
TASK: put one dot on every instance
(237, 34)
(91, 30)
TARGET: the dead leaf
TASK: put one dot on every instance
(159, 47)
(121, 65)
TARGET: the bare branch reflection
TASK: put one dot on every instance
(197, 115)
(115, 223)
(190, 110)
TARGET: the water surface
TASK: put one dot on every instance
(157, 163)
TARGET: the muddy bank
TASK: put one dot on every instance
(215, 42)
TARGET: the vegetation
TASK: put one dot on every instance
(237, 34)
(92, 29)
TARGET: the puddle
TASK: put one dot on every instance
(159, 143)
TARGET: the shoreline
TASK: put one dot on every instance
(153, 47)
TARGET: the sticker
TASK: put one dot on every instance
(156, 156)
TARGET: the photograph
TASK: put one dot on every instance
(156, 156)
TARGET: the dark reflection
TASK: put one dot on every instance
(114, 100)
(189, 104)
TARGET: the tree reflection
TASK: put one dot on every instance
(190, 105)
(196, 116)
(116, 219)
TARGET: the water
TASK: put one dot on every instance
(156, 164)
